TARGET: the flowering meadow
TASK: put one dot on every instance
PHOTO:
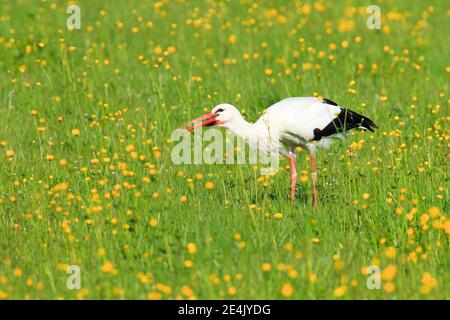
(87, 178)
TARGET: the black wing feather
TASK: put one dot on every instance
(345, 121)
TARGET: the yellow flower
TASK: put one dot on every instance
(366, 196)
(315, 240)
(390, 252)
(50, 157)
(340, 291)
(266, 266)
(232, 290)
(153, 222)
(339, 264)
(199, 176)
(18, 272)
(10, 153)
(188, 263)
(145, 278)
(154, 296)
(282, 19)
(434, 212)
(332, 46)
(287, 290)
(101, 252)
(192, 248)
(412, 256)
(183, 198)
(209, 185)
(447, 226)
(61, 186)
(187, 291)
(82, 294)
(118, 291)
(75, 132)
(62, 266)
(389, 272)
(389, 287)
(107, 267)
(268, 72)
(232, 39)
(428, 283)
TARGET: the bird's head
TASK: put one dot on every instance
(221, 115)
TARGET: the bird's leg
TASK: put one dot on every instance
(314, 179)
(293, 175)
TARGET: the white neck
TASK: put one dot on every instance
(241, 128)
(257, 134)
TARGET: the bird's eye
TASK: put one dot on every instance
(219, 110)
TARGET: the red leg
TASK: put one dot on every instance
(314, 179)
(293, 175)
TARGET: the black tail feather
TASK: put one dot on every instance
(345, 121)
(359, 120)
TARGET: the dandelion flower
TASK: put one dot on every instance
(390, 252)
(340, 291)
(389, 287)
(266, 266)
(232, 290)
(107, 267)
(389, 272)
(232, 39)
(192, 248)
(287, 290)
(152, 222)
(209, 185)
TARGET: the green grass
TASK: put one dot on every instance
(142, 95)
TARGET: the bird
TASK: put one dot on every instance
(308, 122)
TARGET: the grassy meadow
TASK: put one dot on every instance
(85, 151)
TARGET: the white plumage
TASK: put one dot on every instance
(296, 118)
(308, 122)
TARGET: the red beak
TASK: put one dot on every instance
(208, 119)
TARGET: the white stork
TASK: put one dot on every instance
(308, 122)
